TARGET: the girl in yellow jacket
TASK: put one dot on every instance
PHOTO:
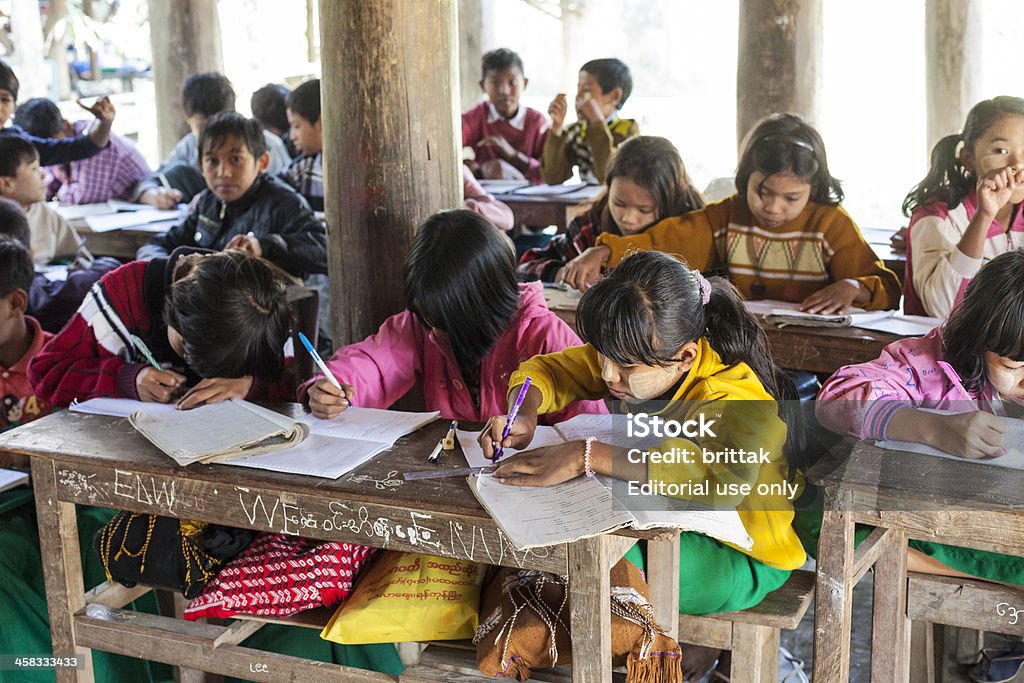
(664, 340)
(783, 235)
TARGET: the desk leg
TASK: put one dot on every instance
(663, 582)
(833, 596)
(590, 618)
(889, 623)
(62, 569)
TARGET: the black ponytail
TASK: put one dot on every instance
(948, 181)
(653, 296)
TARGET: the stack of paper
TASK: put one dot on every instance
(783, 313)
(11, 478)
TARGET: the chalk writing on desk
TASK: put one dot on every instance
(1012, 614)
(391, 481)
(409, 528)
(168, 495)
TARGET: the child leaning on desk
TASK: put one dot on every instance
(22, 183)
(663, 339)
(245, 208)
(215, 324)
(968, 208)
(467, 327)
(972, 365)
(646, 182)
(604, 86)
(782, 235)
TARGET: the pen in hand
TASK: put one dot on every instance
(512, 418)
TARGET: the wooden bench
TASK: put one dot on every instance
(753, 635)
(455, 662)
(937, 601)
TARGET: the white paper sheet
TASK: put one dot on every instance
(11, 478)
(131, 219)
(903, 325)
(370, 424)
(548, 190)
(544, 436)
(118, 407)
(317, 456)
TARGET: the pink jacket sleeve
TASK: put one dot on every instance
(859, 400)
(477, 199)
(382, 367)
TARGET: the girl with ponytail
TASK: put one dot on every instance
(966, 210)
(663, 340)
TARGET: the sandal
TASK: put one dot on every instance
(1000, 666)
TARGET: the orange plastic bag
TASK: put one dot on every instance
(408, 597)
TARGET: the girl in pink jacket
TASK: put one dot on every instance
(973, 366)
(467, 328)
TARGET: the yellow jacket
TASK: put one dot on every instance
(820, 246)
(746, 417)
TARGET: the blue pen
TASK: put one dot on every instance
(320, 362)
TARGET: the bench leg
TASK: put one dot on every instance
(755, 654)
(172, 604)
(925, 652)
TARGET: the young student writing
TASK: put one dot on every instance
(53, 300)
(467, 327)
(664, 340)
(306, 172)
(269, 105)
(56, 151)
(179, 178)
(507, 137)
(21, 338)
(245, 208)
(22, 182)
(782, 236)
(973, 365)
(111, 174)
(967, 209)
(646, 182)
(215, 322)
(604, 86)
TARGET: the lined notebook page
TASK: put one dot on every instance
(120, 407)
(317, 456)
(544, 436)
(370, 424)
(538, 516)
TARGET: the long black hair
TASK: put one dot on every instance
(948, 181)
(654, 164)
(651, 304)
(233, 316)
(990, 318)
(785, 143)
(460, 277)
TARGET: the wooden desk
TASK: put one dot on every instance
(811, 349)
(879, 239)
(902, 495)
(102, 461)
(121, 244)
(542, 211)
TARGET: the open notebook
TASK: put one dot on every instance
(333, 447)
(783, 313)
(588, 506)
(211, 433)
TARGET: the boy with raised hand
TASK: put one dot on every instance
(507, 138)
(244, 207)
(53, 151)
(110, 174)
(203, 95)
(22, 182)
(604, 86)
(306, 172)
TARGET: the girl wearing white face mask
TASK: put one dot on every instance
(664, 340)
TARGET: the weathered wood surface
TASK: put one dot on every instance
(590, 618)
(390, 146)
(967, 603)
(833, 593)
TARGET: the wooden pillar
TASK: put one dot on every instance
(476, 36)
(58, 54)
(952, 64)
(185, 35)
(779, 62)
(390, 154)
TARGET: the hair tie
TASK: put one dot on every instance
(704, 286)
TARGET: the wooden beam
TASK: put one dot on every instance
(390, 153)
(952, 64)
(185, 35)
(779, 65)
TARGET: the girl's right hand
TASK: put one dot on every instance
(557, 111)
(996, 187)
(971, 435)
(158, 386)
(584, 271)
(519, 437)
(326, 401)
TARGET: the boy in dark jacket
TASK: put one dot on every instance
(244, 208)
